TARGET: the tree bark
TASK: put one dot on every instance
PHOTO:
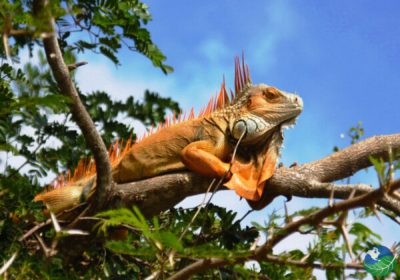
(309, 180)
(79, 113)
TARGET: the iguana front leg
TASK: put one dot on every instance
(201, 157)
(204, 157)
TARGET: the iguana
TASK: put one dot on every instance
(254, 116)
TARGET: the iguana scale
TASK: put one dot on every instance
(255, 115)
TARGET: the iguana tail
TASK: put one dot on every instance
(69, 192)
(65, 198)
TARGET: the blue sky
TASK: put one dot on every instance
(342, 57)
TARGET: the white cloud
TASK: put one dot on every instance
(192, 84)
(279, 23)
(215, 51)
(100, 75)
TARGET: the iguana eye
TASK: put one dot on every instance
(271, 94)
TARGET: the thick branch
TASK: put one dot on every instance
(163, 192)
(348, 161)
(81, 116)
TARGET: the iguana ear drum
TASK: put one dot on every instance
(252, 126)
(239, 127)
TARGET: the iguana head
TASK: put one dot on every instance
(262, 110)
(256, 116)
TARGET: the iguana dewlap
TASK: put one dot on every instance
(254, 115)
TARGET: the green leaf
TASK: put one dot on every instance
(380, 169)
(123, 247)
(110, 54)
(170, 240)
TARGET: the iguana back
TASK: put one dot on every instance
(251, 120)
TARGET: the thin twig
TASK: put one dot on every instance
(301, 263)
(45, 249)
(34, 229)
(197, 211)
(260, 253)
(72, 67)
(7, 265)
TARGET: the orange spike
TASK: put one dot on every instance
(117, 150)
(232, 95)
(114, 151)
(238, 76)
(191, 115)
(223, 97)
(220, 100)
(214, 103)
(118, 153)
(87, 168)
(92, 167)
(244, 75)
(127, 146)
(209, 107)
(201, 113)
(248, 74)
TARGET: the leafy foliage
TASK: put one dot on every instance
(160, 242)
(110, 24)
(33, 113)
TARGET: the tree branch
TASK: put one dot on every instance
(299, 263)
(163, 192)
(261, 252)
(81, 116)
(348, 161)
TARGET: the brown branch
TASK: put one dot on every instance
(72, 67)
(299, 263)
(163, 192)
(34, 229)
(21, 32)
(80, 115)
(260, 253)
(346, 162)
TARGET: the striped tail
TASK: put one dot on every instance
(65, 198)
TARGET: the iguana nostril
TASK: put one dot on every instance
(299, 101)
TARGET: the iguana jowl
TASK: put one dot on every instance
(255, 115)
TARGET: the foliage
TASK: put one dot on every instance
(109, 24)
(37, 129)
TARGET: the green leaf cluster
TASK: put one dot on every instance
(110, 26)
(37, 130)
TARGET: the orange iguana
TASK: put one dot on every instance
(254, 115)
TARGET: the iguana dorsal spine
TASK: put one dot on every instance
(204, 144)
